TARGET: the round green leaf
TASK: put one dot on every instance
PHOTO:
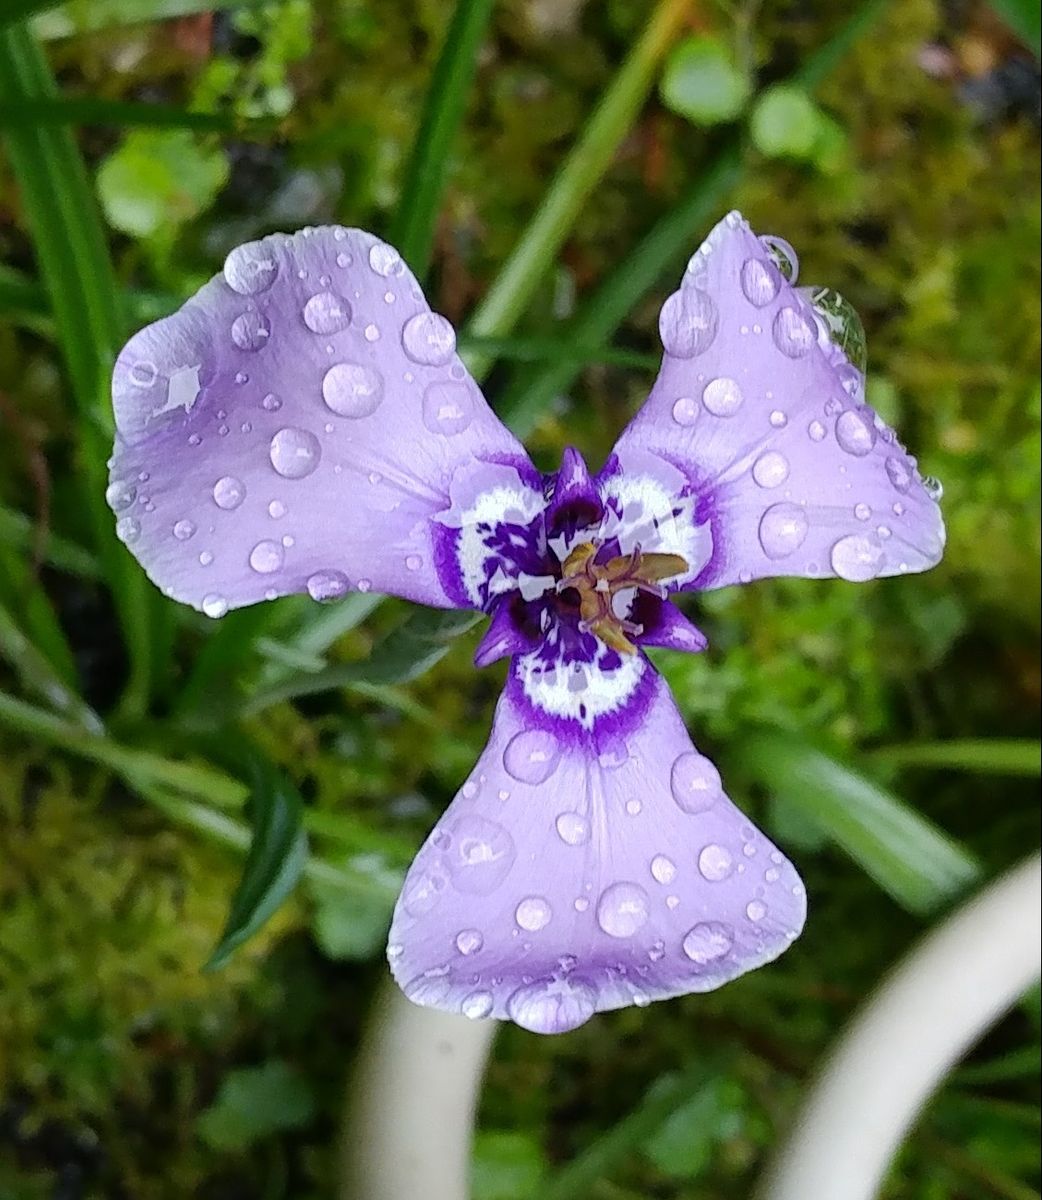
(703, 83)
(785, 123)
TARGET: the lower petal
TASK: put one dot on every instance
(580, 872)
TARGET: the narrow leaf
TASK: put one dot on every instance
(278, 852)
(909, 857)
(123, 114)
(988, 756)
(1024, 17)
(68, 20)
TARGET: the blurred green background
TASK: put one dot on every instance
(549, 164)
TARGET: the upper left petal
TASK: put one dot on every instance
(295, 427)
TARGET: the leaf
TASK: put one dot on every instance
(413, 228)
(506, 1165)
(352, 927)
(88, 16)
(278, 852)
(785, 123)
(86, 110)
(988, 756)
(255, 1102)
(158, 180)
(1024, 17)
(910, 858)
(683, 1145)
(703, 83)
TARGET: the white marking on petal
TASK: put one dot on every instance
(580, 691)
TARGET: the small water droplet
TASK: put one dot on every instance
(622, 909)
(413, 562)
(688, 323)
(899, 473)
(857, 558)
(183, 530)
(855, 433)
(793, 334)
(128, 530)
(469, 941)
(715, 862)
(933, 487)
(778, 419)
(271, 403)
(771, 469)
(249, 269)
(663, 869)
(448, 408)
(533, 914)
(532, 756)
(708, 941)
(783, 529)
(294, 453)
(722, 397)
(572, 828)
(685, 411)
(266, 557)
(760, 281)
(756, 910)
(429, 339)
(120, 495)
(816, 431)
(229, 492)
(862, 512)
(352, 390)
(477, 1005)
(327, 312)
(695, 783)
(324, 586)
(552, 1005)
(385, 260)
(214, 605)
(251, 330)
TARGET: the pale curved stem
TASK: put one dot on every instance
(412, 1103)
(945, 994)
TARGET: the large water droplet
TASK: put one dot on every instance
(120, 495)
(688, 322)
(899, 473)
(572, 828)
(481, 857)
(250, 269)
(715, 862)
(128, 530)
(695, 782)
(663, 869)
(327, 585)
(229, 492)
(326, 312)
(214, 605)
(685, 411)
(771, 469)
(552, 1005)
(352, 390)
(183, 530)
(448, 407)
(855, 432)
(622, 909)
(477, 1005)
(760, 281)
(857, 558)
(469, 941)
(429, 339)
(385, 260)
(708, 941)
(533, 914)
(722, 397)
(267, 557)
(294, 452)
(251, 330)
(933, 487)
(793, 333)
(783, 529)
(783, 256)
(842, 323)
(532, 756)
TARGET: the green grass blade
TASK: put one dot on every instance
(1024, 17)
(17, 10)
(516, 283)
(122, 114)
(77, 271)
(910, 858)
(413, 228)
(671, 239)
(987, 756)
(17, 533)
(89, 16)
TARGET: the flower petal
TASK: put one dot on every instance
(576, 874)
(295, 427)
(765, 416)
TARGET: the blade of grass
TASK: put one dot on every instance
(537, 249)
(22, 593)
(16, 533)
(670, 239)
(76, 269)
(17, 10)
(412, 230)
(988, 756)
(125, 113)
(81, 16)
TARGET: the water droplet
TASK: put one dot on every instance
(413, 562)
(695, 783)
(572, 828)
(469, 941)
(854, 433)
(128, 530)
(429, 339)
(783, 256)
(327, 585)
(532, 756)
(622, 909)
(722, 397)
(271, 403)
(778, 419)
(448, 408)
(249, 269)
(612, 753)
(385, 260)
(816, 431)
(552, 1005)
(715, 862)
(205, 558)
(708, 941)
(229, 492)
(933, 487)
(899, 473)
(371, 333)
(423, 891)
(756, 910)
(663, 869)
(533, 914)
(857, 558)
(783, 529)
(327, 312)
(482, 854)
(760, 281)
(352, 390)
(183, 530)
(685, 411)
(120, 495)
(771, 469)
(793, 334)
(862, 512)
(633, 806)
(266, 557)
(294, 452)
(251, 330)
(477, 1005)
(688, 322)
(843, 326)
(214, 605)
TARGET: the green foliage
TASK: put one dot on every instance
(506, 1166)
(703, 83)
(255, 1102)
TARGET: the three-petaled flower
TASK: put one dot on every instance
(304, 424)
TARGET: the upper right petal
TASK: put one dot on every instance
(295, 427)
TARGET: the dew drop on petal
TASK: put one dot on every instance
(327, 312)
(756, 910)
(688, 322)
(533, 914)
(120, 495)
(722, 397)
(183, 530)
(327, 585)
(294, 452)
(854, 433)
(708, 941)
(214, 605)
(862, 512)
(352, 390)
(482, 854)
(429, 339)
(622, 909)
(532, 756)
(816, 431)
(385, 260)
(469, 941)
(778, 419)
(771, 469)
(685, 411)
(448, 408)
(695, 783)
(793, 334)
(857, 558)
(899, 473)
(128, 530)
(552, 1005)
(251, 330)
(663, 869)
(759, 281)
(572, 828)
(715, 862)
(229, 492)
(250, 269)
(476, 1005)
(267, 557)
(783, 529)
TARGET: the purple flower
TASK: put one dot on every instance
(304, 424)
